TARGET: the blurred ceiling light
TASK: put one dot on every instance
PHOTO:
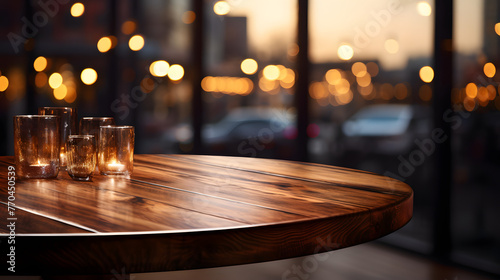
(426, 74)
(40, 64)
(221, 8)
(4, 83)
(271, 72)
(249, 66)
(88, 76)
(136, 43)
(175, 72)
(55, 80)
(77, 9)
(345, 52)
(424, 8)
(128, 27)
(489, 70)
(333, 76)
(359, 69)
(60, 92)
(188, 17)
(104, 44)
(497, 28)
(391, 46)
(159, 68)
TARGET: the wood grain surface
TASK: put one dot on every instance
(186, 211)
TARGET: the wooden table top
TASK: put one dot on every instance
(187, 211)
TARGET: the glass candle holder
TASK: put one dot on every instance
(90, 126)
(81, 154)
(36, 146)
(116, 150)
(68, 126)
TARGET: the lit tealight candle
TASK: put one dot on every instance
(38, 164)
(114, 166)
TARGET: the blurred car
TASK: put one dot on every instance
(379, 132)
(256, 132)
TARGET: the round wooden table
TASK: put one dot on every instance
(186, 211)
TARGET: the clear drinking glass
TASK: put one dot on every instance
(116, 150)
(81, 153)
(68, 126)
(36, 146)
(90, 126)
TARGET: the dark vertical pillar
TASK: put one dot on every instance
(443, 68)
(29, 47)
(301, 90)
(197, 76)
(105, 100)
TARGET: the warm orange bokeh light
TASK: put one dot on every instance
(40, 64)
(426, 74)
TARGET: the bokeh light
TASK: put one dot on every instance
(88, 76)
(359, 69)
(55, 80)
(70, 95)
(364, 81)
(60, 92)
(249, 66)
(136, 43)
(345, 52)
(372, 68)
(497, 28)
(77, 9)
(40, 64)
(471, 90)
(188, 17)
(401, 91)
(104, 44)
(391, 46)
(176, 72)
(128, 27)
(333, 76)
(489, 70)
(426, 74)
(4, 83)
(41, 79)
(424, 8)
(159, 68)
(271, 72)
(221, 8)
